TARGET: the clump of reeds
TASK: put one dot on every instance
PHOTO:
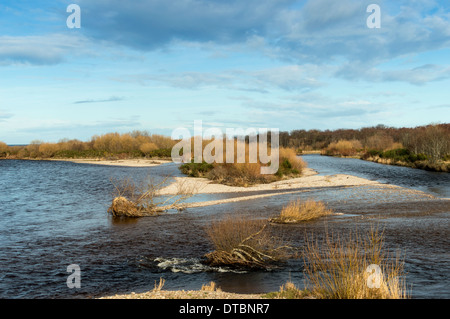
(244, 242)
(343, 148)
(159, 286)
(300, 211)
(131, 199)
(341, 267)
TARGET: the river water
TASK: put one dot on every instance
(54, 214)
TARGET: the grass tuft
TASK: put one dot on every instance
(298, 211)
(341, 267)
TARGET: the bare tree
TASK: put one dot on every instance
(436, 143)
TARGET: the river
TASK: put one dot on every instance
(54, 214)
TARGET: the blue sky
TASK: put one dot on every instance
(158, 65)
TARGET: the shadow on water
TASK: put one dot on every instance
(54, 215)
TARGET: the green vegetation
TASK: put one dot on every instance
(196, 169)
(398, 155)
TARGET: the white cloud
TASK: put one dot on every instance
(40, 49)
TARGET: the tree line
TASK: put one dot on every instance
(430, 143)
(432, 140)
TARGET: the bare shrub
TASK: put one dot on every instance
(48, 149)
(139, 200)
(337, 268)
(4, 148)
(33, 148)
(244, 242)
(148, 147)
(344, 147)
(380, 141)
(161, 141)
(298, 211)
(159, 286)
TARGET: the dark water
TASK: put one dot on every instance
(53, 214)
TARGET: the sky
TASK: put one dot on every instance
(158, 65)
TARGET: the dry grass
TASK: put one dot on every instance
(288, 291)
(344, 147)
(4, 148)
(245, 169)
(338, 268)
(244, 242)
(211, 287)
(139, 200)
(296, 163)
(159, 286)
(298, 211)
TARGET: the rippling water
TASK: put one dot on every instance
(53, 214)
(432, 182)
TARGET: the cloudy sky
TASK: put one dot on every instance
(158, 65)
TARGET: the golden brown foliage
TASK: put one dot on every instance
(4, 148)
(340, 267)
(243, 242)
(298, 211)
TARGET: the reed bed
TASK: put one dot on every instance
(301, 211)
(353, 266)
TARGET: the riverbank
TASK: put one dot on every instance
(185, 294)
(306, 183)
(121, 162)
(132, 162)
(309, 179)
(442, 167)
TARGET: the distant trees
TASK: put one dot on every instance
(431, 140)
(379, 141)
(134, 144)
(48, 150)
(148, 147)
(344, 148)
